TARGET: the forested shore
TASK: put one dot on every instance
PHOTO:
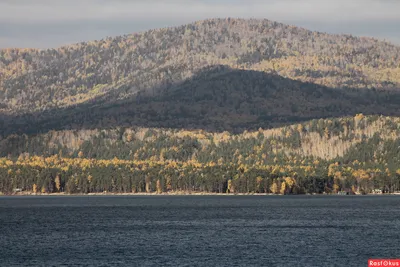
(350, 155)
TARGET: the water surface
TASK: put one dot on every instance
(198, 230)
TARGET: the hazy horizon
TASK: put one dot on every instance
(47, 24)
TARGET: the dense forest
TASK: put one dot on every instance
(353, 154)
(217, 106)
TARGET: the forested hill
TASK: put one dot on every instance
(37, 80)
(215, 99)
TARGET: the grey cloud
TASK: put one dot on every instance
(47, 23)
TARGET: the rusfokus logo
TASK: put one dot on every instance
(383, 262)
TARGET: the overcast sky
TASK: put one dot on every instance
(52, 23)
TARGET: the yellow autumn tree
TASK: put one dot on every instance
(169, 183)
(34, 188)
(283, 188)
(290, 182)
(57, 182)
(326, 133)
(129, 137)
(274, 188)
(335, 188)
(230, 187)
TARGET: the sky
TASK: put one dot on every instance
(53, 23)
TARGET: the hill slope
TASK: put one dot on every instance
(34, 80)
(215, 99)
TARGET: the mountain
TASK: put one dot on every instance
(37, 80)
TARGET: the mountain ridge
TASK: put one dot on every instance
(194, 22)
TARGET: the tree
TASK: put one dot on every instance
(230, 187)
(159, 187)
(57, 182)
(274, 188)
(148, 184)
(34, 188)
(283, 188)
(259, 186)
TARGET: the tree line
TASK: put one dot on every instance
(352, 154)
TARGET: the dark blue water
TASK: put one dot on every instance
(198, 230)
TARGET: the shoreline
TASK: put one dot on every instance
(184, 194)
(145, 194)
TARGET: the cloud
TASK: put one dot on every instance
(67, 21)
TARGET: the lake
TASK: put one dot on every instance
(198, 230)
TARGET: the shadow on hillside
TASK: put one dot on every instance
(215, 99)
